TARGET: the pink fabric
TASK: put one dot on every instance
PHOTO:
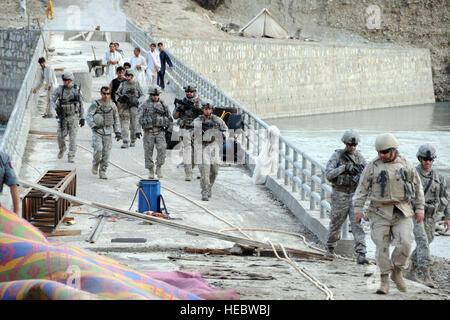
(193, 282)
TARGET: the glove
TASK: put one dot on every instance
(138, 135)
(118, 136)
(81, 122)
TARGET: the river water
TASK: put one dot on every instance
(320, 135)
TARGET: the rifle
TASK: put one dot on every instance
(182, 107)
(357, 168)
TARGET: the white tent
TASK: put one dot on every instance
(264, 25)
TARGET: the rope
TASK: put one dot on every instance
(311, 278)
(308, 244)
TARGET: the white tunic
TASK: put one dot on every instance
(140, 75)
(111, 68)
(153, 61)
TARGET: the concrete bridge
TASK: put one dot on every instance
(293, 200)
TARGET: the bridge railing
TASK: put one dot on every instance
(299, 170)
(14, 141)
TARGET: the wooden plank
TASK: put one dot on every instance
(59, 233)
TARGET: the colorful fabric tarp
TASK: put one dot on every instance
(33, 267)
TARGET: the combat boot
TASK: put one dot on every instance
(205, 196)
(61, 152)
(124, 145)
(70, 160)
(427, 278)
(151, 173)
(132, 144)
(103, 175)
(95, 169)
(412, 273)
(188, 176)
(158, 172)
(209, 193)
(384, 284)
(330, 253)
(361, 259)
(397, 277)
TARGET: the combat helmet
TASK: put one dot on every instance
(130, 71)
(207, 103)
(191, 87)
(386, 141)
(154, 89)
(67, 76)
(350, 136)
(426, 151)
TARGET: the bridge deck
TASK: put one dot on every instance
(234, 198)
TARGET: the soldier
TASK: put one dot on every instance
(154, 117)
(101, 117)
(67, 101)
(343, 171)
(213, 129)
(436, 200)
(186, 111)
(389, 183)
(128, 94)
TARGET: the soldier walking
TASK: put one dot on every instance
(343, 171)
(389, 183)
(436, 200)
(128, 94)
(212, 130)
(67, 101)
(185, 112)
(154, 118)
(102, 117)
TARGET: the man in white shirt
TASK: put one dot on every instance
(112, 59)
(153, 64)
(47, 80)
(138, 64)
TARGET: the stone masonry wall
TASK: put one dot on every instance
(16, 48)
(274, 78)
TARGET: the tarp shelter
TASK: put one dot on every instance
(264, 25)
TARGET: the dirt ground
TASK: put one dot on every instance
(10, 13)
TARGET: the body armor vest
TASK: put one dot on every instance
(190, 113)
(346, 179)
(106, 112)
(154, 115)
(432, 190)
(70, 100)
(393, 181)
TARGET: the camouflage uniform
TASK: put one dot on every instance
(436, 199)
(341, 198)
(154, 118)
(186, 117)
(212, 141)
(69, 106)
(128, 96)
(102, 117)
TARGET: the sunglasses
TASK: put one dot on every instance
(384, 151)
(352, 144)
(155, 95)
(428, 159)
(106, 93)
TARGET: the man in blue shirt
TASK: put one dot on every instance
(8, 177)
(164, 57)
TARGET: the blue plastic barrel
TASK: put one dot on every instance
(152, 191)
